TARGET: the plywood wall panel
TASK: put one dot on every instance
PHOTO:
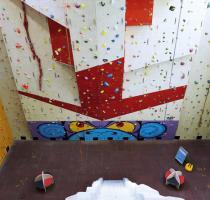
(173, 109)
(190, 26)
(10, 97)
(82, 25)
(147, 80)
(46, 112)
(148, 45)
(59, 81)
(180, 70)
(54, 9)
(151, 114)
(197, 93)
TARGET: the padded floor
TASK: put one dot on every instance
(75, 165)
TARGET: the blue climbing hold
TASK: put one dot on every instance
(106, 84)
(51, 130)
(152, 130)
(109, 75)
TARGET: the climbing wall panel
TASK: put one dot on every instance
(174, 36)
(194, 120)
(148, 45)
(190, 27)
(10, 98)
(56, 10)
(55, 75)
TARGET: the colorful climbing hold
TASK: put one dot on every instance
(110, 75)
(105, 84)
(103, 33)
(18, 45)
(172, 8)
(25, 86)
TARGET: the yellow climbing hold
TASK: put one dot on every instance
(82, 5)
(189, 167)
(103, 33)
(104, 45)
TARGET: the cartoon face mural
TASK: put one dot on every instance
(112, 131)
(90, 131)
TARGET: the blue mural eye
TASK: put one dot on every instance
(152, 130)
(50, 130)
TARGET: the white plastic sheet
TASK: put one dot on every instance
(119, 190)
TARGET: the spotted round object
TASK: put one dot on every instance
(152, 130)
(51, 130)
(44, 181)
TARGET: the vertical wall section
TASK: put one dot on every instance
(10, 98)
(6, 138)
(102, 60)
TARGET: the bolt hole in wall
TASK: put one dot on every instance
(133, 77)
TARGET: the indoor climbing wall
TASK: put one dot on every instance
(6, 137)
(10, 98)
(195, 114)
(102, 60)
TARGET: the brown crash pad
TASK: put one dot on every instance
(75, 165)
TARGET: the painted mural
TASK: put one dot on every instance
(104, 130)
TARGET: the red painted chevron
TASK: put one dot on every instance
(118, 107)
(101, 84)
(100, 87)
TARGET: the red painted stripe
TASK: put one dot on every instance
(101, 84)
(138, 103)
(119, 107)
(54, 102)
(61, 43)
(139, 12)
(34, 54)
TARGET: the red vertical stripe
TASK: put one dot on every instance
(61, 43)
(139, 12)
